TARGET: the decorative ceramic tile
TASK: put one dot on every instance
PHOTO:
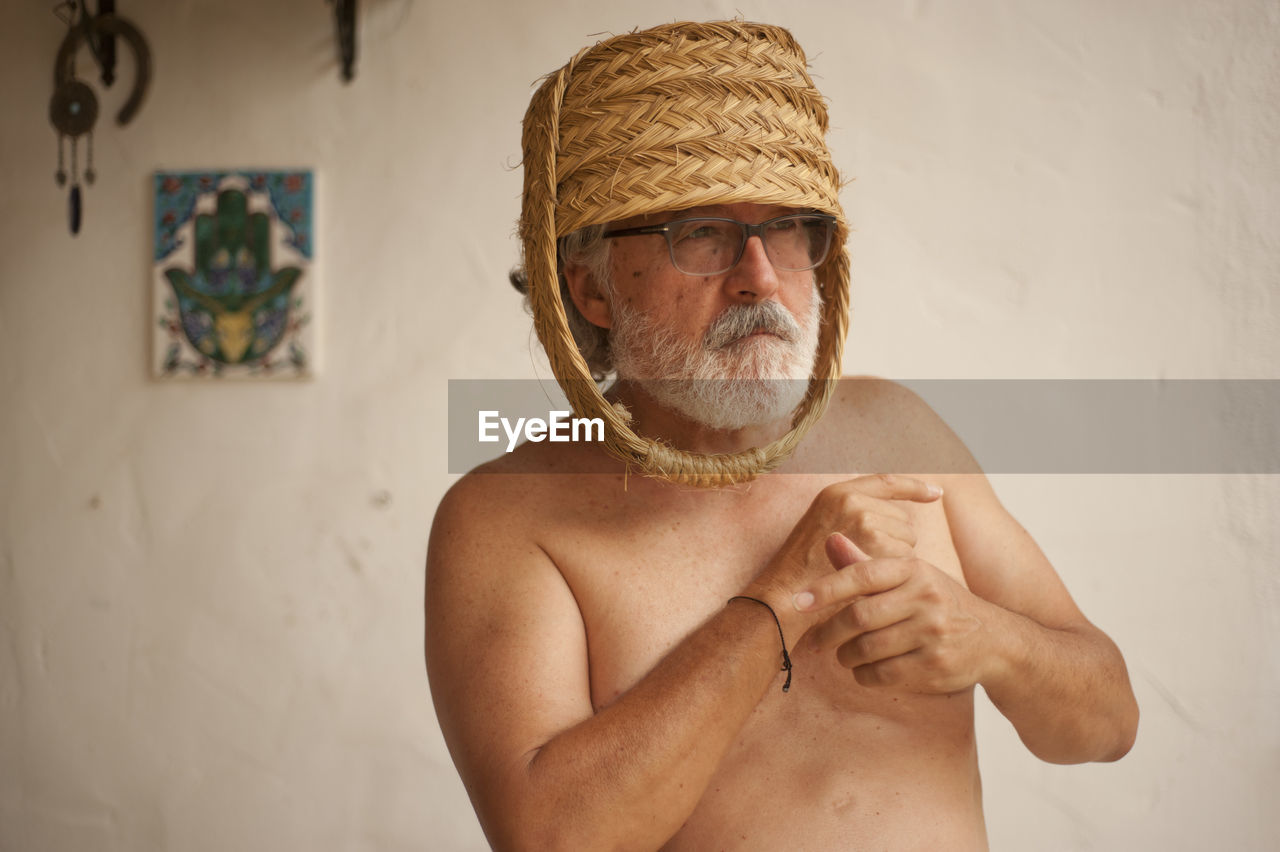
(232, 278)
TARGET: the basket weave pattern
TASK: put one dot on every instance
(667, 119)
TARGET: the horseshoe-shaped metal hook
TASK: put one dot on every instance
(64, 65)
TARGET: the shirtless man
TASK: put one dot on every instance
(602, 647)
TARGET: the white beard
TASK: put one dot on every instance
(727, 380)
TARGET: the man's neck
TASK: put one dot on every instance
(653, 420)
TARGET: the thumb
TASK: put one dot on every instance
(843, 552)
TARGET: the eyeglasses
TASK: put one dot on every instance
(710, 246)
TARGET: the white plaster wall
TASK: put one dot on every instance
(210, 596)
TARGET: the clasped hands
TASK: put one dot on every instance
(893, 619)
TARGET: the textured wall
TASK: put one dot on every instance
(210, 596)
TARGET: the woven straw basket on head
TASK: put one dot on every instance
(679, 116)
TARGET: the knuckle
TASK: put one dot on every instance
(835, 493)
(850, 506)
(874, 613)
(896, 571)
(867, 530)
(879, 673)
(852, 617)
(937, 660)
(864, 574)
(865, 612)
(869, 647)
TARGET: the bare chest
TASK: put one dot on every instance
(648, 566)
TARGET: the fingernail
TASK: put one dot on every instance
(804, 600)
(935, 490)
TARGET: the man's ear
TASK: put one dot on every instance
(587, 295)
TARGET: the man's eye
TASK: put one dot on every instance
(698, 231)
(784, 225)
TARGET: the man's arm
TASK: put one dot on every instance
(507, 657)
(1016, 631)
(1059, 679)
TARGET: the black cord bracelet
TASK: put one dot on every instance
(786, 658)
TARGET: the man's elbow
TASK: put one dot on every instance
(1126, 732)
(1100, 740)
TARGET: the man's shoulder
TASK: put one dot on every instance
(486, 524)
(521, 487)
(874, 393)
(884, 426)
(883, 403)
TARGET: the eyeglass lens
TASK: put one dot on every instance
(712, 246)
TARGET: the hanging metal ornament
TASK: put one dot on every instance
(73, 108)
(72, 111)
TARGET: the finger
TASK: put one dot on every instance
(864, 615)
(843, 552)
(882, 536)
(895, 671)
(914, 671)
(860, 578)
(891, 486)
(868, 648)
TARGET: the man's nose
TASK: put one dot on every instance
(753, 279)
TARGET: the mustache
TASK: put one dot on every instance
(738, 321)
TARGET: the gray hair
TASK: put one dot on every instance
(588, 247)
